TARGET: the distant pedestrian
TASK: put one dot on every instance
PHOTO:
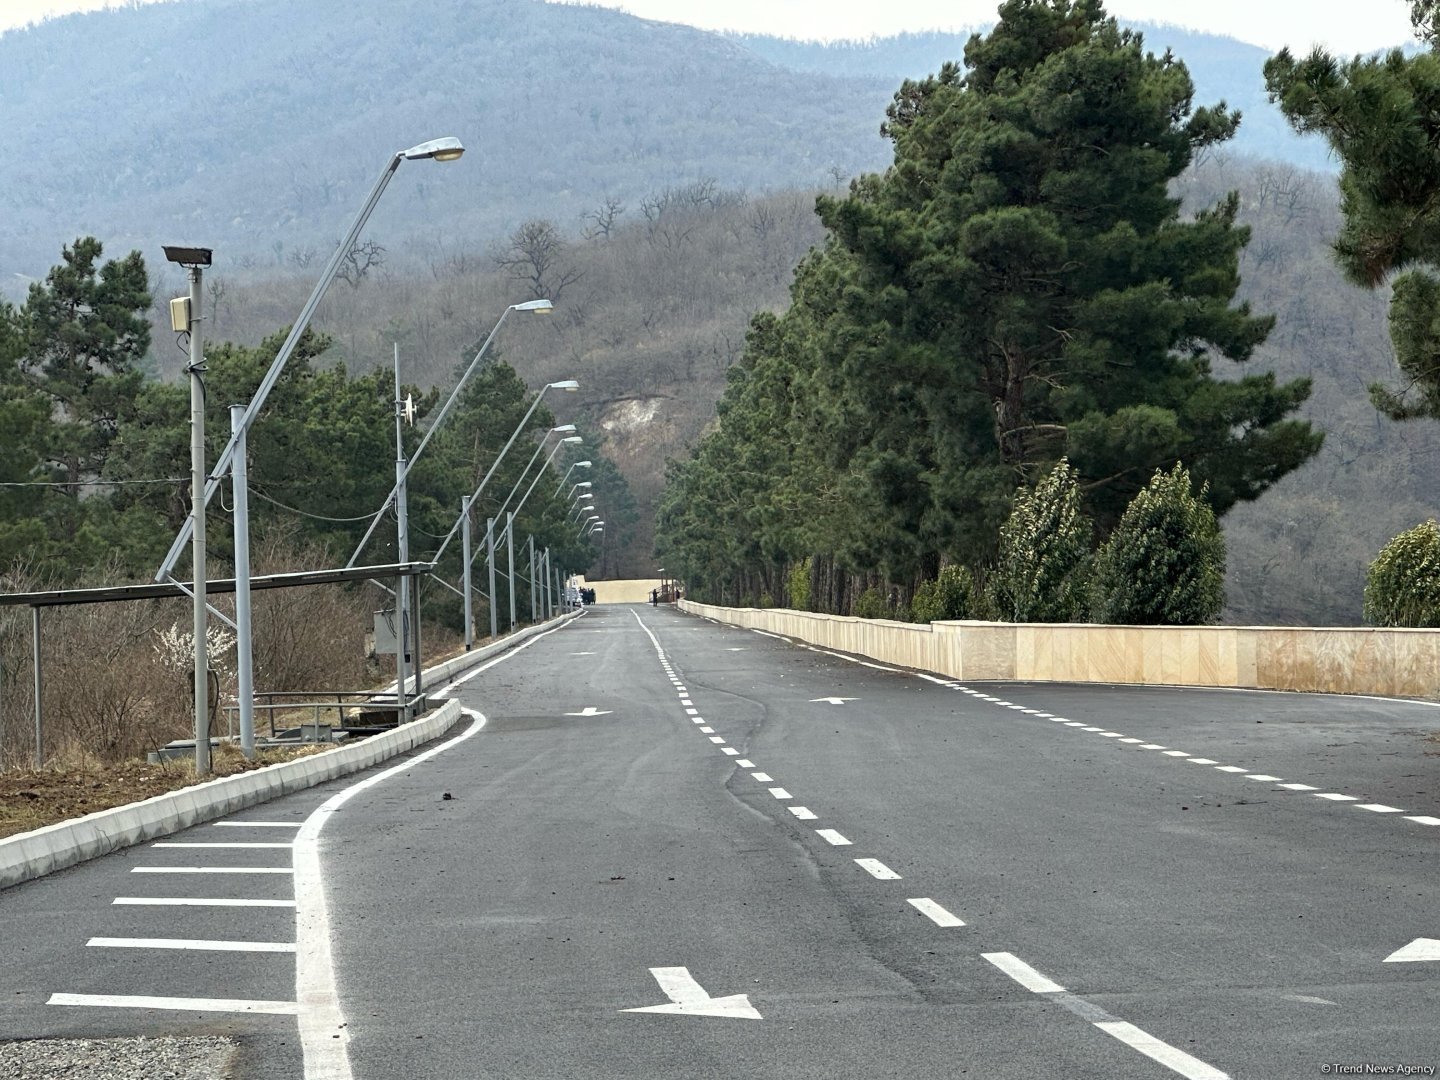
(654, 597)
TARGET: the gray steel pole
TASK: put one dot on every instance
(244, 626)
(465, 562)
(549, 580)
(510, 558)
(490, 561)
(402, 526)
(415, 664)
(198, 498)
(39, 683)
(534, 611)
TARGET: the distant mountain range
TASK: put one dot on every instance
(257, 126)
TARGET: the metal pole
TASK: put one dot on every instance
(402, 648)
(415, 633)
(534, 612)
(465, 562)
(490, 560)
(198, 498)
(510, 558)
(549, 592)
(39, 725)
(244, 627)
(402, 525)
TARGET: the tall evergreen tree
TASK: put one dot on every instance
(85, 335)
(1381, 116)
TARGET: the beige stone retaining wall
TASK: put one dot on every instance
(1353, 660)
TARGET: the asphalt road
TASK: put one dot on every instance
(656, 809)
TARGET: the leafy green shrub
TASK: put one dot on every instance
(870, 604)
(797, 584)
(1044, 553)
(1165, 562)
(766, 600)
(1402, 587)
(947, 597)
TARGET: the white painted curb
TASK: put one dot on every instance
(43, 851)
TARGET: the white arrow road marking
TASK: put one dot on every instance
(1422, 948)
(688, 997)
(833, 700)
(590, 710)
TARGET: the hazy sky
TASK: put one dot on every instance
(1344, 26)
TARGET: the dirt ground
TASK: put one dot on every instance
(30, 798)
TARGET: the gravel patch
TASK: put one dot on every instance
(197, 1058)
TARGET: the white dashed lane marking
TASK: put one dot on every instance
(1235, 770)
(934, 912)
(877, 869)
(832, 837)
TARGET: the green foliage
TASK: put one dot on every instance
(1402, 587)
(1042, 570)
(766, 600)
(870, 604)
(946, 597)
(797, 584)
(1165, 562)
(1018, 288)
(1381, 117)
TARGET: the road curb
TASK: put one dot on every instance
(42, 851)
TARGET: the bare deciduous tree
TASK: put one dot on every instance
(535, 254)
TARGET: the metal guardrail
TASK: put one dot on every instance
(365, 701)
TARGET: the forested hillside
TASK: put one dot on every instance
(256, 126)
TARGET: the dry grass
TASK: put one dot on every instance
(33, 798)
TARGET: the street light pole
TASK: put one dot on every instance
(244, 625)
(197, 528)
(402, 533)
(397, 492)
(447, 149)
(465, 560)
(568, 385)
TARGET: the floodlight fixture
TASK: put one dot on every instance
(187, 256)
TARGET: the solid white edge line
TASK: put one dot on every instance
(1023, 973)
(324, 1036)
(181, 1004)
(934, 912)
(190, 943)
(1191, 1068)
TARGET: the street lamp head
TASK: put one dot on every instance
(582, 464)
(572, 438)
(542, 306)
(562, 428)
(568, 385)
(584, 484)
(447, 149)
(187, 256)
